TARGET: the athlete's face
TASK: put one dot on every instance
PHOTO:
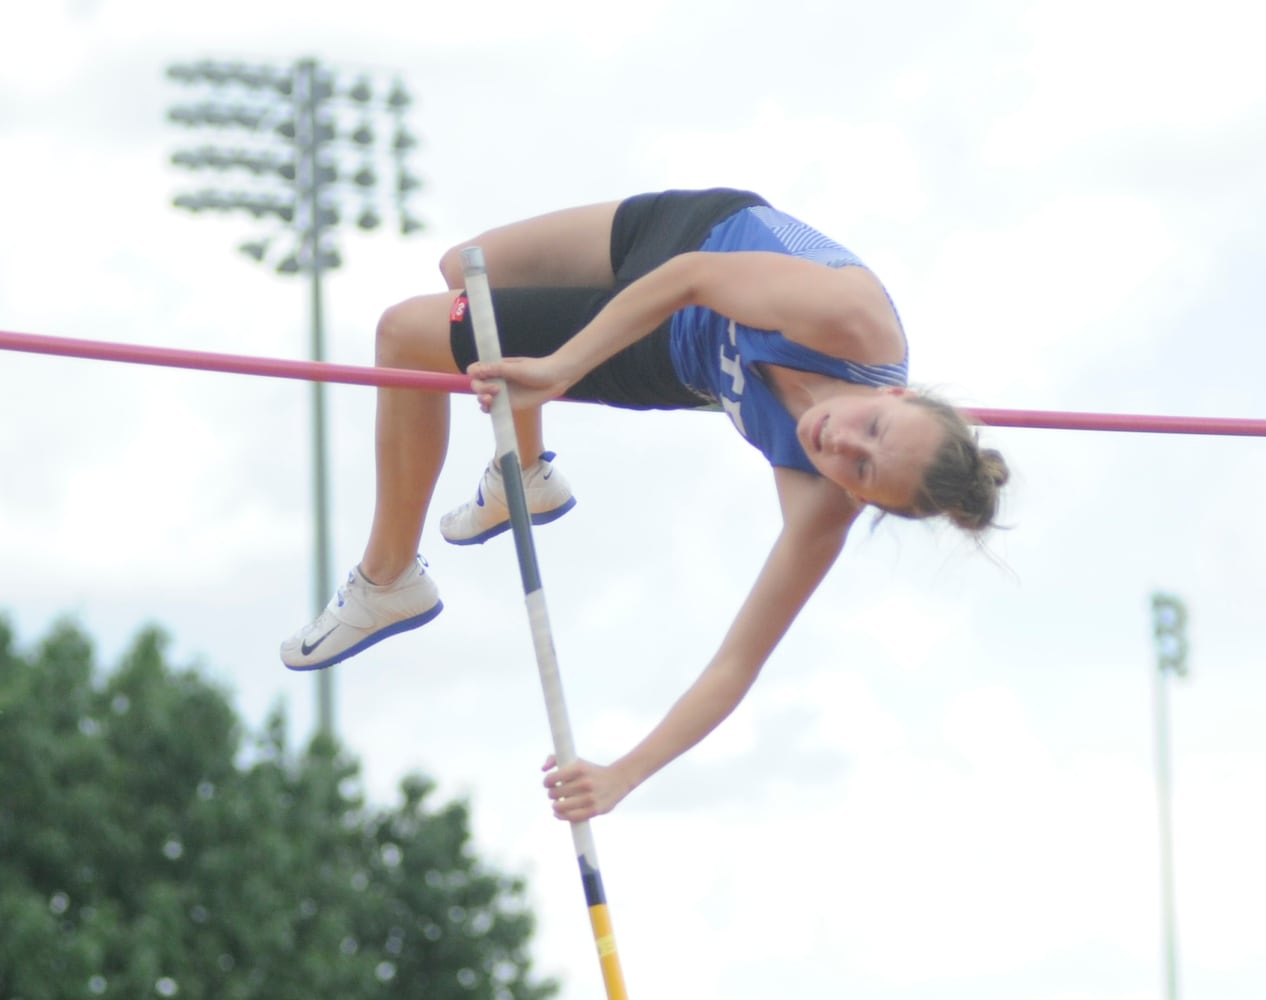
(876, 446)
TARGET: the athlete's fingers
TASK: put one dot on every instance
(562, 775)
(575, 803)
(574, 812)
(561, 785)
(484, 370)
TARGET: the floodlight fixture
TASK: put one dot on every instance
(403, 141)
(399, 98)
(255, 249)
(1169, 627)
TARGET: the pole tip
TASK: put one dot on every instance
(473, 261)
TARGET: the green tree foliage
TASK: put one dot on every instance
(148, 848)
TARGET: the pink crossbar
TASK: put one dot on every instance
(323, 371)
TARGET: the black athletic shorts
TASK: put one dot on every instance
(647, 230)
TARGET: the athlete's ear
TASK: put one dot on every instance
(898, 390)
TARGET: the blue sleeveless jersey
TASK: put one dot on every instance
(715, 356)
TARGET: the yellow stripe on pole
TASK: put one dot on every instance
(608, 957)
(602, 934)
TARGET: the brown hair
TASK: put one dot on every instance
(963, 480)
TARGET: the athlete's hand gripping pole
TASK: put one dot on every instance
(488, 345)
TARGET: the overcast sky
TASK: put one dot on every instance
(943, 784)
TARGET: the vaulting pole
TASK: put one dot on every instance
(488, 344)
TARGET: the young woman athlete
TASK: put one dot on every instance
(673, 300)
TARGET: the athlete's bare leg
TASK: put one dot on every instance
(569, 248)
(411, 438)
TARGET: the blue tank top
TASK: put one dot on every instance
(715, 356)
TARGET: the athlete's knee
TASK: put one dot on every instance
(398, 339)
(415, 333)
(388, 335)
(451, 265)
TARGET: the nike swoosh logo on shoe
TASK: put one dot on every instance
(308, 650)
(479, 495)
(549, 471)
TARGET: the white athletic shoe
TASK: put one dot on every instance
(361, 614)
(474, 522)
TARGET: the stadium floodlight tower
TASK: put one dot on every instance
(307, 146)
(1169, 628)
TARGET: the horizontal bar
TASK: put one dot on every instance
(237, 364)
(323, 371)
(1128, 422)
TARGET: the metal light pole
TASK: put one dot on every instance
(311, 140)
(1169, 626)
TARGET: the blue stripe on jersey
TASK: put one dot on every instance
(803, 241)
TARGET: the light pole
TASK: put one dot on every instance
(306, 139)
(1169, 627)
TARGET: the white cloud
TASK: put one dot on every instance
(1081, 272)
(867, 169)
(1098, 68)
